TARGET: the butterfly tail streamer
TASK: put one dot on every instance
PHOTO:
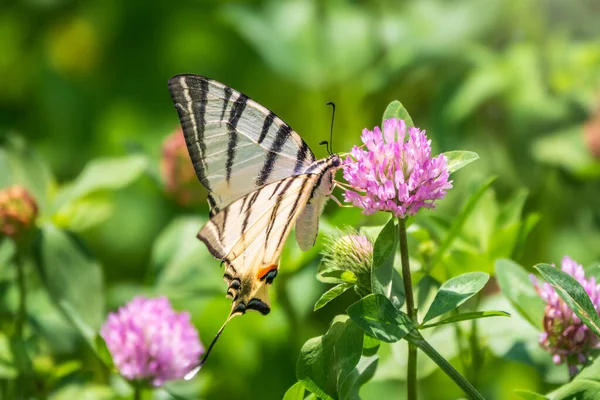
(198, 367)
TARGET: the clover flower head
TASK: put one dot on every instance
(395, 175)
(150, 342)
(565, 336)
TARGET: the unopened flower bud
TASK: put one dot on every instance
(18, 212)
(351, 252)
(178, 172)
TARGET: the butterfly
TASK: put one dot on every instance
(261, 178)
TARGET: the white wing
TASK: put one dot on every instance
(236, 145)
(307, 224)
(249, 235)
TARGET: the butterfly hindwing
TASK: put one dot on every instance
(249, 235)
(236, 145)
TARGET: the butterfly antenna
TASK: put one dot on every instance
(331, 103)
(197, 368)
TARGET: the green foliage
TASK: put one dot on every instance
(573, 294)
(459, 158)
(379, 318)
(459, 221)
(327, 361)
(516, 286)
(72, 276)
(585, 386)
(383, 259)
(396, 110)
(296, 392)
(81, 127)
(332, 294)
(466, 317)
(455, 292)
(529, 395)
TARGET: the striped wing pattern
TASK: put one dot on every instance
(249, 234)
(236, 144)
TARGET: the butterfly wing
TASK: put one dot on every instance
(307, 224)
(248, 235)
(236, 145)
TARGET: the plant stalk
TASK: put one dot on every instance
(137, 392)
(415, 338)
(411, 375)
(22, 313)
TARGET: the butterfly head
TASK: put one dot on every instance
(249, 291)
(335, 161)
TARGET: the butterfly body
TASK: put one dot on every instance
(261, 177)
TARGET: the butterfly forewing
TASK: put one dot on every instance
(236, 145)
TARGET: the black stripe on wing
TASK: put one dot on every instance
(186, 94)
(266, 125)
(282, 136)
(234, 117)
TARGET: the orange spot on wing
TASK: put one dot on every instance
(265, 270)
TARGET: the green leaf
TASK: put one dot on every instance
(21, 165)
(518, 289)
(585, 386)
(332, 294)
(378, 317)
(573, 294)
(8, 369)
(425, 292)
(396, 110)
(455, 292)
(102, 174)
(296, 392)
(383, 259)
(467, 316)
(364, 371)
(526, 226)
(86, 391)
(326, 361)
(592, 270)
(178, 259)
(459, 158)
(73, 279)
(83, 214)
(529, 395)
(370, 345)
(459, 221)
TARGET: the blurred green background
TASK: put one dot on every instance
(517, 81)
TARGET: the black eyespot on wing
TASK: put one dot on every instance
(234, 284)
(270, 276)
(258, 305)
(240, 309)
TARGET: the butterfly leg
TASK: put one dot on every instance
(339, 203)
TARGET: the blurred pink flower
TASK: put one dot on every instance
(395, 175)
(177, 171)
(565, 336)
(149, 341)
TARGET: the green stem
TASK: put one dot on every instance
(411, 374)
(22, 315)
(137, 392)
(417, 340)
(462, 351)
